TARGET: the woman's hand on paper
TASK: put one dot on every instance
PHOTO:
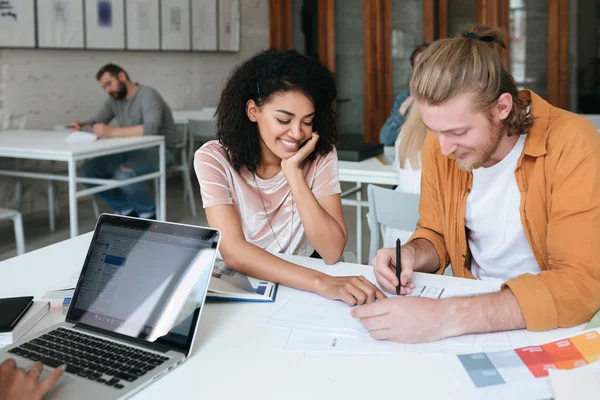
(18, 384)
(384, 266)
(352, 290)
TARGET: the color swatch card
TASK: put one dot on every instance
(525, 363)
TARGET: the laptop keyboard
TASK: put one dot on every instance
(87, 356)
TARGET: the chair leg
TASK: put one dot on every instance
(375, 237)
(51, 208)
(18, 194)
(157, 193)
(95, 207)
(187, 182)
(19, 237)
(191, 150)
(56, 200)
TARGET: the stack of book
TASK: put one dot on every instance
(18, 315)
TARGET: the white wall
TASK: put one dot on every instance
(52, 87)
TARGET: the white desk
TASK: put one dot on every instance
(52, 145)
(184, 116)
(236, 356)
(367, 171)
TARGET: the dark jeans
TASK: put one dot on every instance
(122, 166)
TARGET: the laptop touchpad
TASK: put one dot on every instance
(57, 391)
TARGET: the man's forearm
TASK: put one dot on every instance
(127, 131)
(424, 254)
(480, 314)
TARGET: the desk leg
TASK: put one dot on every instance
(359, 224)
(163, 183)
(73, 198)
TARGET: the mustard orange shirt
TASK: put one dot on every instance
(558, 175)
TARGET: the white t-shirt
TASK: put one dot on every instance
(495, 233)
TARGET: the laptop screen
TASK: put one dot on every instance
(145, 279)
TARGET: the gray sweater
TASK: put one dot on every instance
(146, 108)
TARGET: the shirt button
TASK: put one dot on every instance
(463, 255)
(469, 190)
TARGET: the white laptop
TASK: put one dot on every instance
(134, 312)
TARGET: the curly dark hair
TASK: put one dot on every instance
(259, 78)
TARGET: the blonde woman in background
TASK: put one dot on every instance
(408, 165)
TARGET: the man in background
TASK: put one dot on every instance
(140, 111)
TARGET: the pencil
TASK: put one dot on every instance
(398, 265)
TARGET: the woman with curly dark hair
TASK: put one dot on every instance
(270, 183)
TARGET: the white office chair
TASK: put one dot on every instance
(18, 225)
(181, 152)
(393, 209)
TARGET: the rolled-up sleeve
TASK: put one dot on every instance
(568, 292)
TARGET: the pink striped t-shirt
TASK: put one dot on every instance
(220, 184)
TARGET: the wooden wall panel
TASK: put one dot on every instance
(378, 96)
(280, 24)
(494, 13)
(558, 53)
(327, 33)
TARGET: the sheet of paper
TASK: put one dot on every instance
(313, 312)
(326, 326)
(64, 288)
(340, 344)
(575, 384)
(81, 137)
(310, 311)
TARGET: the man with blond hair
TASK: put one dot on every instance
(510, 191)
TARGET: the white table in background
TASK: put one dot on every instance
(184, 116)
(367, 171)
(236, 356)
(52, 145)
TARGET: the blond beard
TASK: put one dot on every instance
(478, 158)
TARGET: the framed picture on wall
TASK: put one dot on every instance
(229, 25)
(204, 25)
(104, 24)
(60, 24)
(17, 23)
(175, 25)
(143, 24)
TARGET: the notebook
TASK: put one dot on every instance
(227, 284)
(32, 316)
(12, 309)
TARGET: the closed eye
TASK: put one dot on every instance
(283, 122)
(308, 123)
